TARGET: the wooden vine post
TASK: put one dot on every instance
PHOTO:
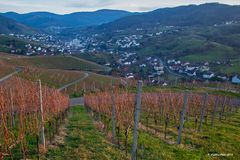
(41, 117)
(222, 108)
(136, 120)
(12, 109)
(84, 88)
(113, 115)
(182, 115)
(203, 108)
(214, 110)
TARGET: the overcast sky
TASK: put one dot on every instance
(68, 6)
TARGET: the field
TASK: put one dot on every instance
(57, 62)
(55, 71)
(52, 77)
(99, 58)
(211, 52)
(230, 69)
(92, 82)
(57, 78)
(5, 69)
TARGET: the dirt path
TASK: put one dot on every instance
(10, 75)
(74, 82)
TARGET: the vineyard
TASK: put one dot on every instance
(94, 82)
(51, 77)
(30, 116)
(55, 62)
(57, 78)
(176, 118)
(5, 69)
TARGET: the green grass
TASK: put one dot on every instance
(99, 58)
(222, 138)
(211, 52)
(233, 69)
(83, 141)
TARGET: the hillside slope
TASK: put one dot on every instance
(204, 15)
(78, 19)
(57, 62)
(8, 26)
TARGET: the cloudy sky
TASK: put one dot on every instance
(68, 6)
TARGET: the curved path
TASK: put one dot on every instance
(10, 75)
(74, 82)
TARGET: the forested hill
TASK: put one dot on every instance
(193, 15)
(8, 25)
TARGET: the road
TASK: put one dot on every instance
(76, 101)
(74, 82)
(10, 75)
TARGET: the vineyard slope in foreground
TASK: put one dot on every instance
(117, 123)
(172, 125)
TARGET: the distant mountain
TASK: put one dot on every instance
(192, 15)
(44, 20)
(8, 26)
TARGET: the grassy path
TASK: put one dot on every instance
(83, 141)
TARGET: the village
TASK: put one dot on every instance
(201, 71)
(39, 44)
(129, 64)
(155, 67)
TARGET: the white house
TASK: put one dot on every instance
(158, 68)
(191, 73)
(236, 80)
(208, 75)
(160, 72)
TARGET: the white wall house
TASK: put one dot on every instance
(235, 79)
(208, 75)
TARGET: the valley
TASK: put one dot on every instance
(114, 84)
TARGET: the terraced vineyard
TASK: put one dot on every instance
(56, 62)
(92, 83)
(51, 77)
(173, 125)
(5, 69)
(56, 71)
